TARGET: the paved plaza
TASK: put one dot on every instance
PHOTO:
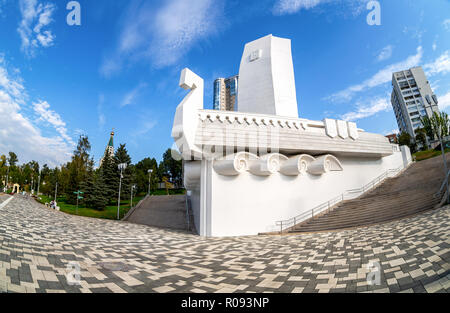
(38, 244)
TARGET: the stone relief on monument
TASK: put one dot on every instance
(247, 169)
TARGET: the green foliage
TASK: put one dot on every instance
(12, 160)
(404, 139)
(94, 188)
(78, 168)
(428, 127)
(173, 167)
(421, 138)
(437, 126)
(428, 154)
(100, 186)
(142, 175)
(120, 157)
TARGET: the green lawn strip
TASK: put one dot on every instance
(425, 155)
(110, 212)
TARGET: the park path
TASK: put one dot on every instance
(39, 247)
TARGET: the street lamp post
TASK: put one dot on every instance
(445, 160)
(149, 180)
(121, 167)
(79, 197)
(7, 176)
(132, 188)
(39, 183)
(56, 191)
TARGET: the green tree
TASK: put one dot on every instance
(142, 176)
(99, 199)
(404, 139)
(428, 127)
(110, 177)
(78, 168)
(122, 156)
(12, 159)
(440, 124)
(421, 138)
(95, 195)
(173, 167)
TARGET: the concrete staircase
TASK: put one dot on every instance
(410, 193)
(161, 211)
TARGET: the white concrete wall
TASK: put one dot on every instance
(249, 204)
(406, 153)
(267, 82)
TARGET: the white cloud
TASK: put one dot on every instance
(391, 132)
(145, 127)
(131, 96)
(381, 77)
(283, 7)
(19, 134)
(101, 115)
(439, 66)
(434, 46)
(162, 36)
(385, 53)
(446, 24)
(444, 101)
(42, 108)
(366, 110)
(2, 4)
(293, 6)
(36, 17)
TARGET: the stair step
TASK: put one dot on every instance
(359, 220)
(410, 193)
(313, 228)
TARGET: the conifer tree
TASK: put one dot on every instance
(122, 156)
(110, 178)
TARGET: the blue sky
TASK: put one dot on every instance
(120, 68)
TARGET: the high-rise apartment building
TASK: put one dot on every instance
(226, 93)
(412, 99)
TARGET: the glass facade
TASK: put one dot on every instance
(226, 94)
(217, 93)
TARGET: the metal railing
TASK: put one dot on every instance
(347, 195)
(442, 191)
(189, 214)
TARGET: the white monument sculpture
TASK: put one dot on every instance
(247, 170)
(266, 77)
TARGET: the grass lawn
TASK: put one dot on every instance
(110, 212)
(424, 155)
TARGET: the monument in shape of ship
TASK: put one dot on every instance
(246, 170)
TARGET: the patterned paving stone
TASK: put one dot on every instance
(41, 248)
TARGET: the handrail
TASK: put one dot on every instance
(188, 216)
(286, 224)
(444, 183)
(189, 213)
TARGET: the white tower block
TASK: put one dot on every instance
(266, 78)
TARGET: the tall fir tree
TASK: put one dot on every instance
(110, 177)
(95, 191)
